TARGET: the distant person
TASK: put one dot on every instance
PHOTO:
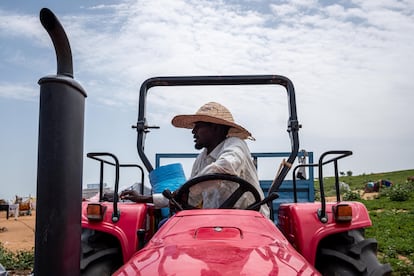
(225, 151)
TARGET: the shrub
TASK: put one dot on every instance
(399, 193)
(410, 186)
(351, 195)
(19, 260)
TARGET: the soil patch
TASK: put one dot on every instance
(369, 196)
(365, 196)
(18, 234)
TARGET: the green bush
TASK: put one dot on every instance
(317, 195)
(351, 195)
(399, 193)
(19, 260)
(409, 186)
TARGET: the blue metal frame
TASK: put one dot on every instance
(304, 188)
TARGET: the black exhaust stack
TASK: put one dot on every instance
(60, 161)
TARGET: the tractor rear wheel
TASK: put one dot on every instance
(100, 254)
(348, 254)
(104, 267)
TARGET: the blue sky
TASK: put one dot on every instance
(351, 63)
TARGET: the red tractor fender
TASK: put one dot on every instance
(304, 230)
(132, 218)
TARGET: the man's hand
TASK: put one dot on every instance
(134, 196)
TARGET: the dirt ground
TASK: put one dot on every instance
(18, 234)
(369, 196)
(366, 196)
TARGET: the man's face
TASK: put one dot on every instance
(204, 134)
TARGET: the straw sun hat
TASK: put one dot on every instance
(213, 113)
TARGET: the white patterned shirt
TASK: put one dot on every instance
(232, 156)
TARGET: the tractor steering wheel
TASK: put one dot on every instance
(244, 187)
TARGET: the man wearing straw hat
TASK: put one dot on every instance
(225, 151)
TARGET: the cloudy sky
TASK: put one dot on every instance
(352, 64)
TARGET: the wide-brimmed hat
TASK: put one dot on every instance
(215, 113)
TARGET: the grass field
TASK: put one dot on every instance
(392, 215)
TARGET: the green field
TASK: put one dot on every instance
(392, 215)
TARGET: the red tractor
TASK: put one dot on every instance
(124, 238)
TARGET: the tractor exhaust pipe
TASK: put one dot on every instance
(60, 161)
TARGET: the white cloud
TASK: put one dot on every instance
(19, 26)
(351, 65)
(18, 91)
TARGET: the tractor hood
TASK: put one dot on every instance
(217, 242)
